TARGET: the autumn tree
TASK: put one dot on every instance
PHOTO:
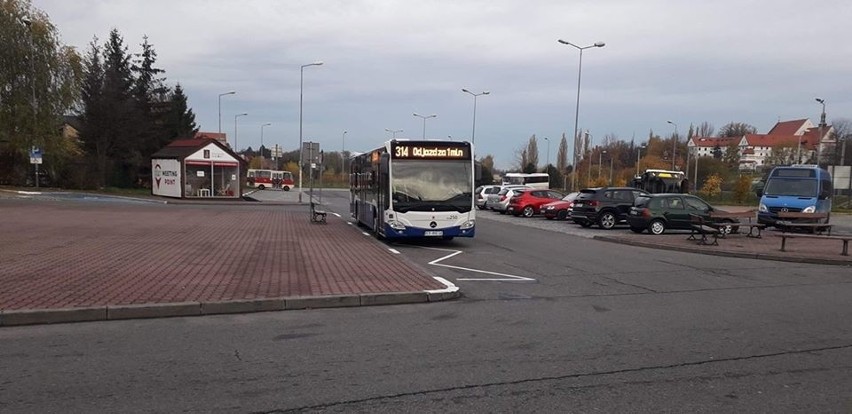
(737, 129)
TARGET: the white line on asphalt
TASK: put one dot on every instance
(508, 278)
(394, 251)
(365, 233)
(450, 287)
(338, 215)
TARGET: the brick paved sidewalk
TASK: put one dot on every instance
(114, 260)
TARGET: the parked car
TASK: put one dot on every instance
(604, 206)
(482, 193)
(659, 212)
(560, 209)
(529, 202)
(500, 201)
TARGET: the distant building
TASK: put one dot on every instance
(799, 137)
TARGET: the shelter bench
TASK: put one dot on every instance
(844, 238)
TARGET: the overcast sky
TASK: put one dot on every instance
(685, 61)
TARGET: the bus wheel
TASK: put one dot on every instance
(286, 188)
(260, 187)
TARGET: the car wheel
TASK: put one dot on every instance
(260, 187)
(657, 227)
(637, 229)
(286, 188)
(606, 220)
(528, 211)
(562, 214)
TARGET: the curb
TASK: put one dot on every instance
(761, 256)
(167, 310)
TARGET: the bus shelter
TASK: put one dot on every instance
(196, 168)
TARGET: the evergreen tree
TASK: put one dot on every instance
(93, 137)
(120, 118)
(180, 120)
(562, 155)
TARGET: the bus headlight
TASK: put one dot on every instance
(810, 209)
(468, 224)
(396, 225)
(762, 208)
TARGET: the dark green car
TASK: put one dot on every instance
(659, 212)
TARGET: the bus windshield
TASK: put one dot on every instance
(791, 187)
(432, 185)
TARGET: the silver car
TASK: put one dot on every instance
(500, 201)
(482, 192)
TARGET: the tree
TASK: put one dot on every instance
(712, 187)
(562, 155)
(704, 129)
(39, 83)
(742, 188)
(737, 129)
(180, 120)
(732, 155)
(532, 155)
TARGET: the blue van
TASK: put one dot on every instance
(795, 189)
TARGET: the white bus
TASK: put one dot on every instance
(412, 189)
(539, 181)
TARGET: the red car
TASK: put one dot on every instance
(560, 209)
(529, 202)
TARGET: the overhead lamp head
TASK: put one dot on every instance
(465, 90)
(600, 44)
(317, 63)
(820, 100)
(486, 92)
(563, 42)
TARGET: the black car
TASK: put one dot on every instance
(659, 212)
(604, 206)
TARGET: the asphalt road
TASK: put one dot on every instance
(550, 321)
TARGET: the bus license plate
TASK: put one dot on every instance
(434, 233)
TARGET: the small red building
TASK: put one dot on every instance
(197, 168)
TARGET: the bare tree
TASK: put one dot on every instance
(705, 129)
(737, 129)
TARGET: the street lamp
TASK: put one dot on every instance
(220, 110)
(600, 163)
(261, 135)
(821, 125)
(638, 157)
(610, 170)
(29, 23)
(674, 144)
(342, 150)
(235, 128)
(425, 117)
(548, 153)
(473, 135)
(393, 132)
(301, 94)
(577, 108)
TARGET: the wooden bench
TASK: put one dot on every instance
(317, 216)
(844, 238)
(742, 219)
(812, 222)
(703, 228)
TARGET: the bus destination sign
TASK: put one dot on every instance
(434, 152)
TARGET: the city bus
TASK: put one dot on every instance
(795, 189)
(539, 181)
(414, 189)
(662, 181)
(263, 179)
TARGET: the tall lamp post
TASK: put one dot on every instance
(220, 109)
(425, 117)
(821, 125)
(674, 144)
(261, 135)
(475, 95)
(638, 157)
(29, 23)
(577, 108)
(235, 128)
(393, 132)
(301, 95)
(600, 163)
(342, 158)
(548, 153)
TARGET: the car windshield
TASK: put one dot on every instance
(586, 194)
(570, 197)
(791, 187)
(428, 185)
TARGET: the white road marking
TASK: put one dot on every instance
(450, 287)
(365, 233)
(506, 277)
(394, 251)
(338, 215)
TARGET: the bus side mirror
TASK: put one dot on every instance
(759, 192)
(477, 172)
